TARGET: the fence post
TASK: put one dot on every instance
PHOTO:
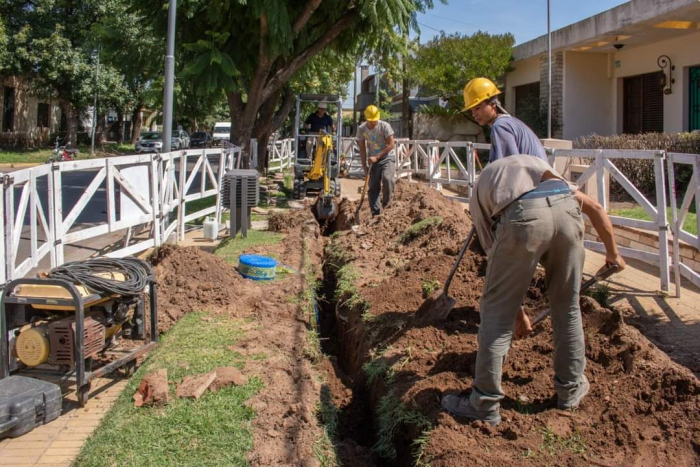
(675, 225)
(4, 276)
(58, 213)
(696, 178)
(253, 155)
(661, 218)
(600, 175)
(470, 168)
(181, 207)
(155, 198)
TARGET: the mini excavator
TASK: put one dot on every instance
(317, 166)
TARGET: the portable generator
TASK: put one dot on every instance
(82, 320)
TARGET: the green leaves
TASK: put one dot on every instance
(445, 64)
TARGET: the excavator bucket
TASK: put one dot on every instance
(326, 208)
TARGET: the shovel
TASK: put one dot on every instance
(439, 304)
(362, 198)
(601, 276)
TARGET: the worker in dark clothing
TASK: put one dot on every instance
(509, 136)
(320, 120)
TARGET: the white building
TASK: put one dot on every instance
(632, 69)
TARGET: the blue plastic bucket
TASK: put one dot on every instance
(256, 267)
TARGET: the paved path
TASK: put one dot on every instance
(58, 443)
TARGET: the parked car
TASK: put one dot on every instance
(222, 132)
(200, 139)
(153, 141)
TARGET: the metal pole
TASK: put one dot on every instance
(549, 73)
(94, 108)
(169, 78)
(354, 103)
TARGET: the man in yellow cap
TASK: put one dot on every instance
(377, 136)
(509, 136)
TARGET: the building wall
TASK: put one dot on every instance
(25, 131)
(684, 53)
(558, 65)
(524, 72)
(588, 97)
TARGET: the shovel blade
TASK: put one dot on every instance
(435, 308)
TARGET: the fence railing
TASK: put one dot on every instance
(46, 208)
(281, 154)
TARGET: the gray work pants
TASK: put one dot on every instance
(550, 231)
(381, 179)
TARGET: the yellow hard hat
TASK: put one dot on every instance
(478, 90)
(372, 113)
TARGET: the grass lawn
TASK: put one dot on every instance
(40, 155)
(690, 225)
(213, 431)
(230, 249)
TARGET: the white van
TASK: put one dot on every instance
(221, 133)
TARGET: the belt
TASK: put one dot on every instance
(547, 201)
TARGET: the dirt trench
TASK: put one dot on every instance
(643, 409)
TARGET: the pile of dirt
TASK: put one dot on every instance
(284, 221)
(643, 409)
(190, 279)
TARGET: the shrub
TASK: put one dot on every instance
(641, 172)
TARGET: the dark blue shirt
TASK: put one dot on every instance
(510, 137)
(318, 123)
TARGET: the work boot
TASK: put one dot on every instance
(462, 407)
(575, 399)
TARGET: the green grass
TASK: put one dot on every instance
(40, 155)
(391, 413)
(553, 444)
(231, 248)
(213, 431)
(690, 225)
(428, 286)
(419, 228)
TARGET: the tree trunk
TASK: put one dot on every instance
(136, 123)
(100, 131)
(120, 126)
(72, 121)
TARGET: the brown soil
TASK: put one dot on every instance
(191, 280)
(285, 430)
(643, 409)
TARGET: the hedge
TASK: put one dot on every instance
(641, 172)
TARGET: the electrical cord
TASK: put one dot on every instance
(91, 273)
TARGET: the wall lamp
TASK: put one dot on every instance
(666, 81)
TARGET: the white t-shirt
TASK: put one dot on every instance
(376, 138)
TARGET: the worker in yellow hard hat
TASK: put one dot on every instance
(377, 137)
(509, 136)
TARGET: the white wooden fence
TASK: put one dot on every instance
(148, 190)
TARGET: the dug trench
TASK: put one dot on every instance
(386, 373)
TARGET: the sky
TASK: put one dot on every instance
(525, 19)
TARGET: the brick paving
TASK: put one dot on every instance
(59, 442)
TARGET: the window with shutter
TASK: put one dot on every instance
(643, 104)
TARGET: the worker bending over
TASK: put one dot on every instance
(509, 136)
(525, 214)
(377, 136)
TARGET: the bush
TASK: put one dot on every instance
(641, 172)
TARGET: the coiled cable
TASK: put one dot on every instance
(99, 275)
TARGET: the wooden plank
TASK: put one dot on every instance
(58, 216)
(600, 179)
(84, 199)
(687, 200)
(19, 218)
(9, 218)
(155, 200)
(83, 164)
(631, 189)
(32, 218)
(650, 258)
(131, 192)
(110, 194)
(193, 174)
(662, 220)
(696, 180)
(202, 213)
(133, 249)
(83, 234)
(3, 264)
(634, 223)
(629, 154)
(689, 274)
(675, 226)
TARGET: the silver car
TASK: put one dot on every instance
(153, 141)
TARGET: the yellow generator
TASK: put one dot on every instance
(82, 321)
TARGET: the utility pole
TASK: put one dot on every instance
(94, 107)
(169, 78)
(549, 73)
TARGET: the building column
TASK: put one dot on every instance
(557, 91)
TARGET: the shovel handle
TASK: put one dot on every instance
(459, 259)
(364, 190)
(612, 269)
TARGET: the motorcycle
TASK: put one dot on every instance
(61, 153)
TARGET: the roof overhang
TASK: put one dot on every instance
(632, 24)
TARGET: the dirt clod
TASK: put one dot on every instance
(226, 376)
(194, 386)
(153, 389)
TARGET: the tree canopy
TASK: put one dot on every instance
(445, 64)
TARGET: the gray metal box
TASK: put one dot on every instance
(26, 403)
